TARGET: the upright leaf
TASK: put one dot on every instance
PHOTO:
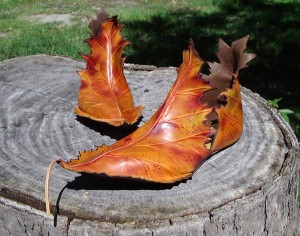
(230, 119)
(228, 111)
(104, 93)
(170, 146)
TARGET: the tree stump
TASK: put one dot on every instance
(249, 188)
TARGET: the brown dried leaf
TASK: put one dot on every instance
(232, 59)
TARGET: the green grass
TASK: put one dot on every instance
(27, 37)
(160, 29)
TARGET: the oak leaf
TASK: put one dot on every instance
(104, 94)
(228, 112)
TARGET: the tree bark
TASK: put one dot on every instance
(249, 188)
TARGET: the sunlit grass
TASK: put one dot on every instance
(25, 36)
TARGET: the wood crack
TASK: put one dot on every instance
(266, 216)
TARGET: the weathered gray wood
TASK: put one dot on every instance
(249, 188)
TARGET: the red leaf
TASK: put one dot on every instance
(104, 93)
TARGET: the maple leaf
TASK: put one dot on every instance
(104, 94)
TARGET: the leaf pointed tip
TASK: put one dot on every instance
(191, 47)
(192, 54)
(191, 43)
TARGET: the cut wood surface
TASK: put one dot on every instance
(248, 188)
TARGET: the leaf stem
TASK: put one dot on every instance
(47, 200)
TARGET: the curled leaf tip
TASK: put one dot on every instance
(95, 24)
(242, 58)
(192, 47)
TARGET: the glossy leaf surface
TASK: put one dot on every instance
(230, 118)
(170, 146)
(104, 93)
(199, 117)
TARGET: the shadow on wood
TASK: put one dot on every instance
(248, 188)
(116, 133)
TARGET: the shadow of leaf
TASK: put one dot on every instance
(102, 182)
(109, 130)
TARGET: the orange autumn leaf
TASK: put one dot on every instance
(199, 117)
(230, 118)
(104, 94)
(170, 146)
